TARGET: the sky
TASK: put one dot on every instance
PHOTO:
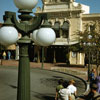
(8, 5)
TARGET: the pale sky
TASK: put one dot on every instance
(8, 5)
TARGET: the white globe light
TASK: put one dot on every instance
(8, 35)
(89, 36)
(34, 37)
(25, 4)
(46, 36)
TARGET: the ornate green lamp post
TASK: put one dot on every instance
(26, 25)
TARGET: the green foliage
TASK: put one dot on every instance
(90, 40)
(75, 48)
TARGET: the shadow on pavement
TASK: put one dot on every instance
(12, 86)
(42, 96)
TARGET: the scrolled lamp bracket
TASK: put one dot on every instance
(8, 18)
(25, 28)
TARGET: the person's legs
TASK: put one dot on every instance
(72, 97)
(4, 57)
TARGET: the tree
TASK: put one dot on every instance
(89, 40)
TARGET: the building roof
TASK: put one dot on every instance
(91, 15)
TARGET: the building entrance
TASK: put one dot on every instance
(56, 54)
(60, 55)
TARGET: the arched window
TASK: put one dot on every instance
(65, 29)
(56, 28)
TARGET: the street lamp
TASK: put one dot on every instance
(88, 44)
(9, 35)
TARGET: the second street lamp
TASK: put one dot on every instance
(44, 36)
(88, 45)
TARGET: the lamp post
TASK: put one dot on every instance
(89, 67)
(9, 35)
(88, 44)
(42, 57)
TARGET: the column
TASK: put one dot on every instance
(17, 52)
(54, 59)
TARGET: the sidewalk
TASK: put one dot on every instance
(78, 71)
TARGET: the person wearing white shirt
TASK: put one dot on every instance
(73, 89)
(65, 93)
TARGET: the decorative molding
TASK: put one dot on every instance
(56, 1)
(65, 14)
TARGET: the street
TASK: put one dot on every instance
(43, 83)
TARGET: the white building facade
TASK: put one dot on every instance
(66, 17)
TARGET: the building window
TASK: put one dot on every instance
(65, 29)
(65, 34)
(56, 28)
(73, 54)
(91, 27)
(57, 33)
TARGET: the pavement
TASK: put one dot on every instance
(43, 83)
(46, 80)
(77, 70)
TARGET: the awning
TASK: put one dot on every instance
(65, 26)
(11, 47)
(65, 42)
(56, 26)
